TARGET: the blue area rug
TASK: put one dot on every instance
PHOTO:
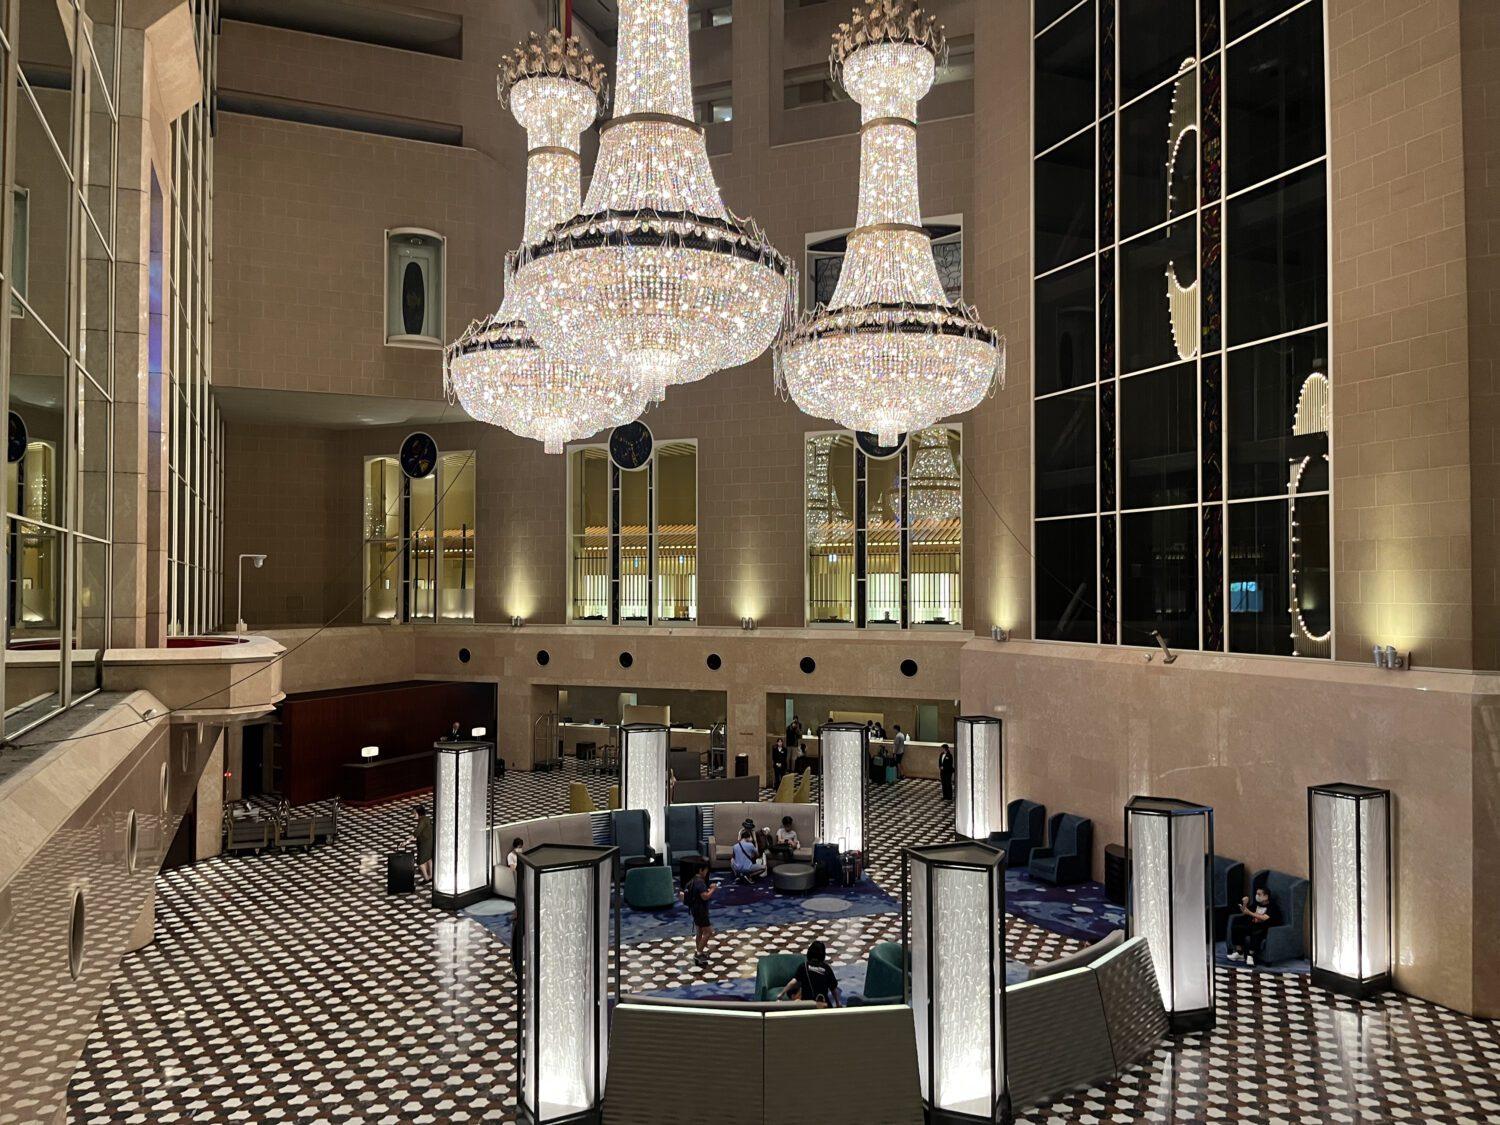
(734, 907)
(851, 985)
(1079, 911)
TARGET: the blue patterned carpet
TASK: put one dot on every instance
(1079, 911)
(734, 907)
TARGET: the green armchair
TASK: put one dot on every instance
(773, 971)
(649, 888)
(885, 974)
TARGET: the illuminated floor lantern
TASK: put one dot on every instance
(1169, 850)
(1349, 850)
(846, 771)
(979, 795)
(955, 906)
(461, 820)
(643, 776)
(566, 983)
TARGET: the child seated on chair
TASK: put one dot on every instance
(745, 858)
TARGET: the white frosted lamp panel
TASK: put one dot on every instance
(963, 994)
(844, 767)
(1375, 895)
(564, 986)
(445, 836)
(979, 797)
(645, 768)
(1191, 963)
(921, 987)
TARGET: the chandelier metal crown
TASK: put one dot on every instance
(496, 370)
(889, 353)
(655, 277)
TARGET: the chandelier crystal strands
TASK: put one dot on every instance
(496, 370)
(889, 353)
(655, 277)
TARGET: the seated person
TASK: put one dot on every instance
(1246, 934)
(512, 858)
(745, 858)
(815, 980)
(786, 841)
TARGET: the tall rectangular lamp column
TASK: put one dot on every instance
(1349, 858)
(979, 795)
(1169, 856)
(846, 774)
(955, 903)
(643, 776)
(461, 820)
(570, 927)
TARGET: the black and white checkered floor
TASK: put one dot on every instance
(292, 987)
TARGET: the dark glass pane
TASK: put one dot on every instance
(1277, 247)
(1065, 454)
(1156, 36)
(1158, 438)
(1275, 98)
(1159, 577)
(1159, 298)
(1065, 203)
(1066, 577)
(1241, 16)
(1065, 329)
(1065, 95)
(1047, 11)
(1159, 156)
(1274, 550)
(1278, 416)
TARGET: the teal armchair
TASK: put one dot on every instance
(885, 974)
(773, 971)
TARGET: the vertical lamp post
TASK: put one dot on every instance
(1349, 853)
(1169, 855)
(461, 817)
(955, 901)
(643, 776)
(566, 983)
(844, 748)
(979, 796)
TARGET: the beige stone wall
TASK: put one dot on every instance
(1400, 340)
(1247, 736)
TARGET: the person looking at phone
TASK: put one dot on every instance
(1246, 934)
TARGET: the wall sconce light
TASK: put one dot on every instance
(567, 987)
(979, 805)
(843, 797)
(1349, 868)
(461, 815)
(747, 623)
(1388, 657)
(368, 752)
(954, 894)
(517, 621)
(257, 561)
(998, 634)
(643, 776)
(1169, 847)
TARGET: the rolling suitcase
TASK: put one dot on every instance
(826, 864)
(400, 873)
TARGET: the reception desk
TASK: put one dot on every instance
(368, 782)
(920, 759)
(601, 734)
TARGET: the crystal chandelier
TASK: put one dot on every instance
(496, 370)
(889, 353)
(933, 482)
(655, 277)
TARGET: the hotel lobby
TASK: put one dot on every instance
(730, 561)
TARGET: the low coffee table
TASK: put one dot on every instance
(793, 878)
(687, 867)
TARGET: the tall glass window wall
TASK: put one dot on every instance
(419, 540)
(1181, 306)
(884, 529)
(194, 445)
(57, 359)
(633, 536)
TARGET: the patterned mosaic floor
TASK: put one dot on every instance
(292, 988)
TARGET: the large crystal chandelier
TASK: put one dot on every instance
(496, 370)
(655, 278)
(889, 353)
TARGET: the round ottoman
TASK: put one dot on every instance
(793, 878)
